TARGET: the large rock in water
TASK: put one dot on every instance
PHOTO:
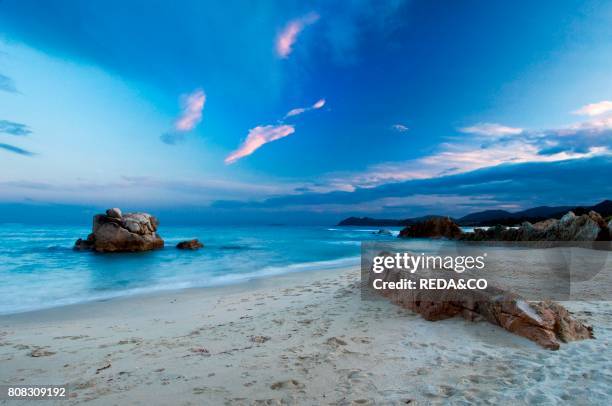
(547, 323)
(587, 227)
(117, 232)
(433, 228)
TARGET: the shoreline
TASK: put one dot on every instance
(298, 338)
(239, 279)
(85, 308)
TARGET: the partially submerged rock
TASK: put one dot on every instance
(547, 323)
(117, 232)
(190, 245)
(436, 227)
(382, 231)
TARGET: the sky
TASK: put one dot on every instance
(305, 111)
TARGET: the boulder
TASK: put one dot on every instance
(437, 227)
(382, 232)
(117, 232)
(114, 213)
(543, 225)
(547, 323)
(190, 245)
(574, 228)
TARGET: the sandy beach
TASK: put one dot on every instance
(303, 338)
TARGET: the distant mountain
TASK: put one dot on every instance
(372, 222)
(486, 215)
(604, 208)
(493, 217)
(543, 211)
(490, 217)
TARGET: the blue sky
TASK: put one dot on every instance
(295, 109)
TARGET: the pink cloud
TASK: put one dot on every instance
(287, 37)
(192, 104)
(595, 109)
(296, 112)
(492, 129)
(319, 104)
(258, 137)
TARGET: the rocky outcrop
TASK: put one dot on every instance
(547, 323)
(382, 231)
(587, 227)
(437, 227)
(117, 232)
(190, 245)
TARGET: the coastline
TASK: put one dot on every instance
(304, 338)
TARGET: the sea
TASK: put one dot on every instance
(39, 269)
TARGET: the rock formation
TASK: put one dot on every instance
(117, 232)
(382, 231)
(190, 245)
(436, 227)
(587, 227)
(547, 323)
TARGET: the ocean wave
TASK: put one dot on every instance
(346, 242)
(170, 285)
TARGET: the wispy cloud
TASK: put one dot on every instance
(455, 159)
(558, 182)
(488, 145)
(400, 128)
(192, 106)
(287, 37)
(595, 109)
(16, 150)
(7, 84)
(492, 129)
(13, 128)
(261, 135)
(258, 137)
(296, 112)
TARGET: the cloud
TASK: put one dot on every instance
(7, 84)
(319, 104)
(596, 125)
(16, 150)
(595, 109)
(455, 159)
(287, 37)
(193, 104)
(12, 128)
(399, 128)
(491, 129)
(568, 182)
(257, 137)
(480, 150)
(261, 135)
(296, 112)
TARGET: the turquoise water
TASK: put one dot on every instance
(39, 269)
